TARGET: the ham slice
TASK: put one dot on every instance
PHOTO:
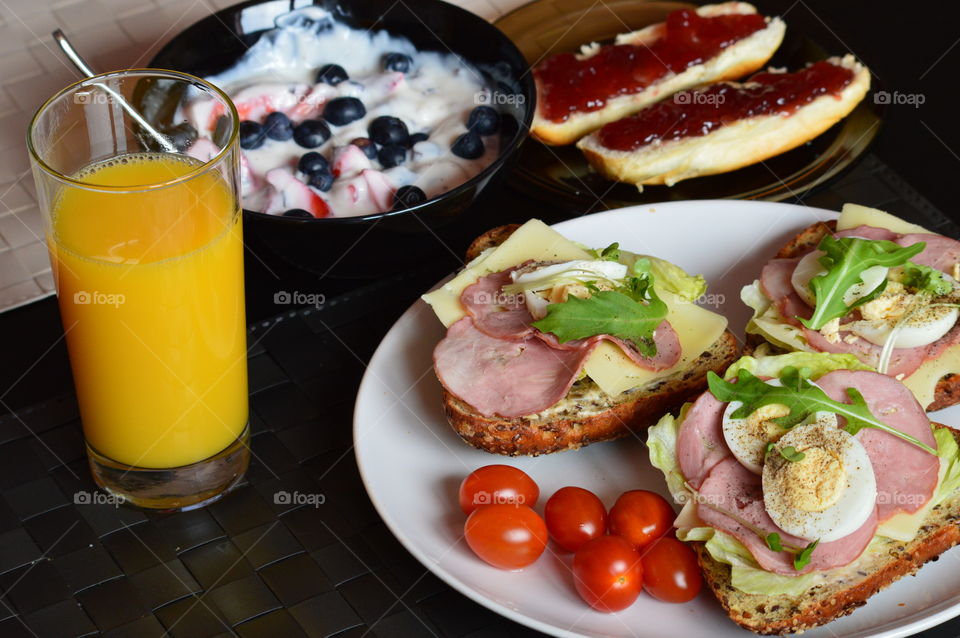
(700, 442)
(732, 487)
(505, 377)
(940, 253)
(496, 313)
(498, 362)
(906, 475)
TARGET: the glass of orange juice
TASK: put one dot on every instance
(137, 174)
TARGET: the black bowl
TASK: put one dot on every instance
(371, 244)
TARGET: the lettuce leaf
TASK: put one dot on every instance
(662, 444)
(768, 323)
(818, 363)
(669, 277)
(949, 454)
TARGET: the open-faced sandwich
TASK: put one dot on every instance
(728, 125)
(809, 483)
(871, 285)
(579, 93)
(552, 346)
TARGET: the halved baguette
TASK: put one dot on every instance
(947, 391)
(729, 147)
(587, 414)
(850, 586)
(737, 60)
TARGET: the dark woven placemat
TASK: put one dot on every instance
(270, 560)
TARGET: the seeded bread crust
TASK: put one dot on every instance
(948, 388)
(587, 414)
(780, 615)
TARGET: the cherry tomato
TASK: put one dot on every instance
(641, 517)
(608, 573)
(574, 516)
(670, 571)
(506, 536)
(497, 484)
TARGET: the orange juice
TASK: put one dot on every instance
(150, 286)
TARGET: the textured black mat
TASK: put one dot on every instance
(268, 561)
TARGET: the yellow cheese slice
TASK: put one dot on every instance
(696, 327)
(904, 527)
(533, 240)
(854, 215)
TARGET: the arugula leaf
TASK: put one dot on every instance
(768, 448)
(791, 454)
(845, 259)
(607, 312)
(773, 542)
(802, 398)
(631, 312)
(925, 279)
(802, 559)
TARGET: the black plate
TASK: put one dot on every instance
(561, 176)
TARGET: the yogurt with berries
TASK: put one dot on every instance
(340, 122)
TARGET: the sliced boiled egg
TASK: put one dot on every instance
(553, 283)
(826, 489)
(747, 438)
(919, 323)
(809, 267)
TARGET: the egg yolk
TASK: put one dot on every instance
(815, 482)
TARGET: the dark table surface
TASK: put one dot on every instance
(250, 567)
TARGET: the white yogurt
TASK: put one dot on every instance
(435, 97)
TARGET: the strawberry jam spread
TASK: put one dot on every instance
(696, 113)
(568, 85)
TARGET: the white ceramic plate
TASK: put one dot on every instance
(412, 462)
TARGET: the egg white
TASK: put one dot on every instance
(809, 267)
(787, 484)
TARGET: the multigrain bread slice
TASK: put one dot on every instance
(947, 392)
(846, 588)
(729, 147)
(737, 60)
(587, 414)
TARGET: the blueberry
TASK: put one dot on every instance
(417, 137)
(397, 62)
(408, 197)
(340, 111)
(366, 145)
(182, 135)
(296, 212)
(484, 120)
(312, 163)
(468, 146)
(388, 130)
(391, 155)
(278, 127)
(321, 181)
(251, 135)
(311, 133)
(332, 74)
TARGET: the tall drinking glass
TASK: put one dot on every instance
(143, 225)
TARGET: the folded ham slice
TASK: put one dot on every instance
(776, 285)
(906, 475)
(495, 360)
(732, 487)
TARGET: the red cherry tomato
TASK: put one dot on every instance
(670, 571)
(574, 516)
(506, 536)
(497, 484)
(641, 517)
(608, 573)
